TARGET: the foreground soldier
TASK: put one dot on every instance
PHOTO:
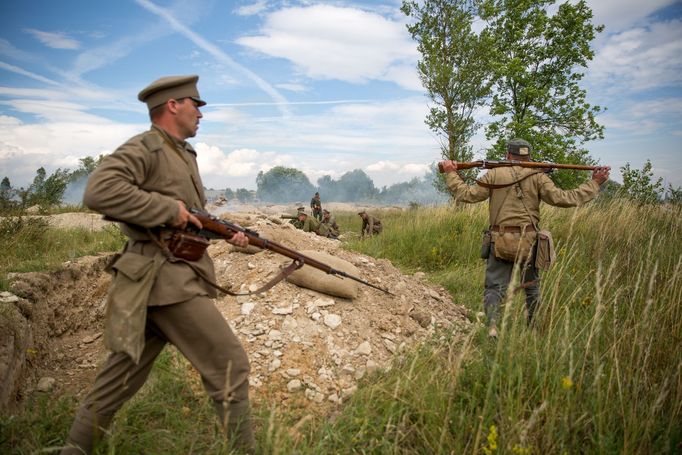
(151, 181)
(515, 194)
(328, 226)
(370, 225)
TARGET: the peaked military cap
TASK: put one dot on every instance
(519, 147)
(300, 209)
(325, 211)
(170, 87)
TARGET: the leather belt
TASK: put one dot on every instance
(514, 229)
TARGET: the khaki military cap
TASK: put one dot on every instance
(519, 147)
(170, 87)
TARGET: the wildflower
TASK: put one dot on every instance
(520, 450)
(566, 383)
(491, 441)
(31, 352)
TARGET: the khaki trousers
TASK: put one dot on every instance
(202, 335)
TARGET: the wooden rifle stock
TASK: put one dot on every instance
(217, 228)
(487, 164)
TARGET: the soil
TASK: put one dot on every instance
(306, 348)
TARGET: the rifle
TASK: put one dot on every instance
(215, 228)
(289, 217)
(487, 164)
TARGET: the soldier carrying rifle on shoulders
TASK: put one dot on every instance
(514, 236)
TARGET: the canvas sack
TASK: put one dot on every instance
(312, 278)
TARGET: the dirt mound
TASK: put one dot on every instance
(305, 347)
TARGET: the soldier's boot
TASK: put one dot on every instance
(238, 426)
(532, 303)
(87, 429)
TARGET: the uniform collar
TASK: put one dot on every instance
(183, 145)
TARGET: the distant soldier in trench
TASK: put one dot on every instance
(328, 226)
(370, 225)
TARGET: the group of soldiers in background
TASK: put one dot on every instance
(324, 224)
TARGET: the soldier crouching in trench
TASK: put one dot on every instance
(149, 182)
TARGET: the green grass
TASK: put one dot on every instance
(30, 245)
(601, 372)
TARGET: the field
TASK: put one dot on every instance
(599, 373)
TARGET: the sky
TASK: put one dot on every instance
(325, 87)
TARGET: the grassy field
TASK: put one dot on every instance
(601, 372)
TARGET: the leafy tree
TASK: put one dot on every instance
(638, 184)
(283, 184)
(454, 69)
(354, 186)
(6, 195)
(243, 195)
(229, 194)
(87, 165)
(536, 73)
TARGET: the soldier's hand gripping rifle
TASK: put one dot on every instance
(221, 229)
(488, 164)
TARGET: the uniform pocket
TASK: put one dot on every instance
(126, 313)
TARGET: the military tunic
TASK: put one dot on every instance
(311, 224)
(370, 226)
(329, 228)
(140, 184)
(516, 206)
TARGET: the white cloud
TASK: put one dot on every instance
(329, 42)
(55, 40)
(617, 15)
(251, 9)
(215, 165)
(640, 58)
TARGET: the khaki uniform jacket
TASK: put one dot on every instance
(140, 184)
(370, 226)
(329, 226)
(506, 207)
(311, 224)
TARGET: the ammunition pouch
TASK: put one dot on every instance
(485, 245)
(545, 255)
(187, 246)
(513, 246)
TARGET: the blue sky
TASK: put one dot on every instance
(326, 87)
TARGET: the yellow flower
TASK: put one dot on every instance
(434, 251)
(566, 383)
(491, 441)
(519, 450)
(31, 352)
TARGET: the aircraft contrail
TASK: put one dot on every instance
(279, 100)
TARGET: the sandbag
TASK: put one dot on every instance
(317, 280)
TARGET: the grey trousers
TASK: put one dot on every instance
(497, 277)
(202, 335)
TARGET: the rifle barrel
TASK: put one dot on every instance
(485, 164)
(226, 230)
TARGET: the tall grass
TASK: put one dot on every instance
(600, 372)
(29, 244)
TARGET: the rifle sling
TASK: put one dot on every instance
(493, 186)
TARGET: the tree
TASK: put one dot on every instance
(638, 184)
(45, 191)
(454, 69)
(355, 186)
(87, 165)
(536, 80)
(243, 195)
(6, 195)
(283, 184)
